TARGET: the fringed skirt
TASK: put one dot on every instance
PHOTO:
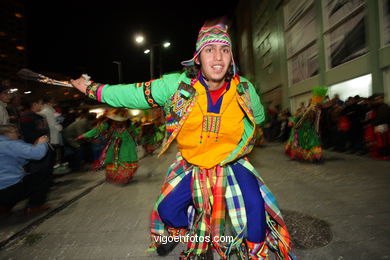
(121, 174)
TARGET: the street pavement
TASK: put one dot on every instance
(338, 209)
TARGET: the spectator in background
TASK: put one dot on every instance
(15, 183)
(381, 123)
(336, 100)
(69, 116)
(5, 97)
(270, 117)
(33, 126)
(14, 110)
(325, 126)
(341, 126)
(351, 113)
(285, 129)
(74, 149)
(49, 113)
(276, 123)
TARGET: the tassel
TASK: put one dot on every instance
(175, 232)
(257, 251)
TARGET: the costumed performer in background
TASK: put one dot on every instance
(119, 155)
(304, 142)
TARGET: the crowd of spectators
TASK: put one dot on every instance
(357, 125)
(34, 143)
(39, 139)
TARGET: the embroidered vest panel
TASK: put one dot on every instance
(244, 94)
(207, 138)
(176, 110)
(179, 107)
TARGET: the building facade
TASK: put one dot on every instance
(288, 47)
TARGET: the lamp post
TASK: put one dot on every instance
(151, 57)
(119, 70)
(151, 51)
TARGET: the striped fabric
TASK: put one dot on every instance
(215, 193)
(213, 34)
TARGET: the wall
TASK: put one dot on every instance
(300, 44)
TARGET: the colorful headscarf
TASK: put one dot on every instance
(216, 34)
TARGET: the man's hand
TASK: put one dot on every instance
(80, 84)
(42, 139)
(79, 138)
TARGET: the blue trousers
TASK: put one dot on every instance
(173, 209)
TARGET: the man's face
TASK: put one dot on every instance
(215, 61)
(37, 106)
(5, 96)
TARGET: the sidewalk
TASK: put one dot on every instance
(67, 188)
(336, 210)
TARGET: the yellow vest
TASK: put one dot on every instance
(207, 138)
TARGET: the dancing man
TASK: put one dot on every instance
(212, 113)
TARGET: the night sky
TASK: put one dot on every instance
(74, 37)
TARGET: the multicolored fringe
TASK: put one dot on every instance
(175, 232)
(216, 195)
(121, 174)
(298, 153)
(257, 251)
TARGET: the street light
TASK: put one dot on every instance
(139, 39)
(119, 70)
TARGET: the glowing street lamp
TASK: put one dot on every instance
(140, 39)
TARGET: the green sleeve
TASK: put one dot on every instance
(96, 131)
(143, 95)
(257, 107)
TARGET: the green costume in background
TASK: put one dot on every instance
(119, 154)
(304, 142)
